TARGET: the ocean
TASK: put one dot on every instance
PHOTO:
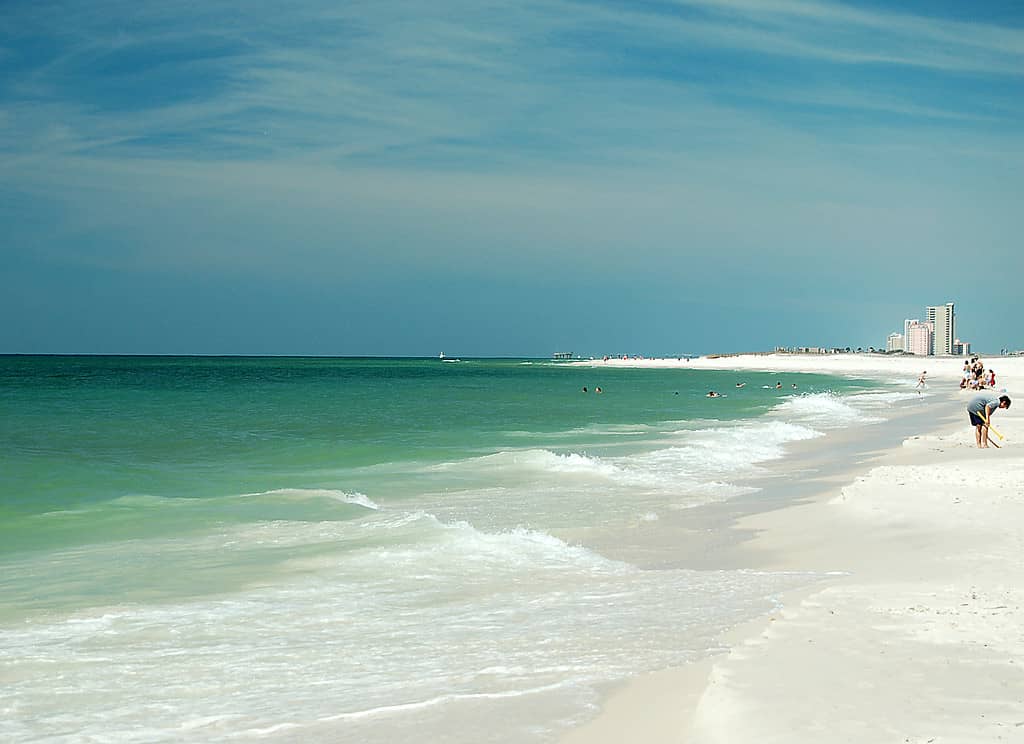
(370, 550)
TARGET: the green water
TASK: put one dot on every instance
(371, 550)
(92, 441)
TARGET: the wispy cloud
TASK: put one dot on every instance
(514, 136)
(401, 81)
(846, 33)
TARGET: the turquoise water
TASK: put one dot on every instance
(363, 549)
(83, 433)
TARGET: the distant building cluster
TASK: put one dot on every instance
(824, 350)
(933, 336)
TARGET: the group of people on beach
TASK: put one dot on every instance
(975, 377)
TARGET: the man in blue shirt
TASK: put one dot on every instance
(980, 410)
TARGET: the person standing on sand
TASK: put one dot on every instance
(977, 369)
(980, 411)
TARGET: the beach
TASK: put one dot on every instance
(915, 634)
(402, 550)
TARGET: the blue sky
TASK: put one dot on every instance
(486, 178)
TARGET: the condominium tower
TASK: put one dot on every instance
(919, 338)
(943, 321)
(906, 331)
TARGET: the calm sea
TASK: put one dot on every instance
(364, 550)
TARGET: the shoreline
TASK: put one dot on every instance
(902, 643)
(852, 364)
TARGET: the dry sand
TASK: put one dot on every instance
(919, 639)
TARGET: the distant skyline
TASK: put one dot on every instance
(507, 179)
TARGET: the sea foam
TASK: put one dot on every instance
(408, 615)
(302, 494)
(825, 410)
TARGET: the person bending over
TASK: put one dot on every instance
(980, 411)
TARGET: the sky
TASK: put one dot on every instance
(485, 178)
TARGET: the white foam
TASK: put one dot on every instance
(702, 463)
(302, 494)
(535, 460)
(402, 625)
(435, 545)
(826, 410)
(442, 699)
(717, 452)
(881, 400)
(572, 463)
(710, 492)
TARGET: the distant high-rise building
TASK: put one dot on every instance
(906, 331)
(961, 348)
(919, 338)
(943, 321)
(894, 342)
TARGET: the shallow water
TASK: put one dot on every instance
(364, 550)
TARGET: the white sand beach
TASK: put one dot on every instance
(918, 637)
